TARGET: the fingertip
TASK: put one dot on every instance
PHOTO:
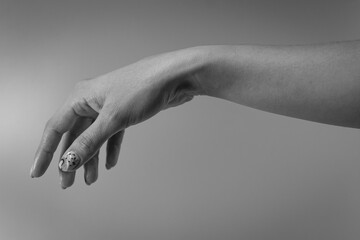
(108, 166)
(66, 179)
(89, 181)
(113, 149)
(90, 178)
(65, 185)
(40, 165)
(35, 174)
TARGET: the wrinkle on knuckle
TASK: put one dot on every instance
(95, 103)
(51, 128)
(86, 143)
(81, 107)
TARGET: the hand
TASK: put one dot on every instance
(100, 109)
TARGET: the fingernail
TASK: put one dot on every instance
(69, 162)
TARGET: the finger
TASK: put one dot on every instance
(113, 149)
(91, 169)
(67, 178)
(88, 143)
(60, 123)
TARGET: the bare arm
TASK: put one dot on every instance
(318, 83)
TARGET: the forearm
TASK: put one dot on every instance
(317, 83)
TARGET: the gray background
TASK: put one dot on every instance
(209, 169)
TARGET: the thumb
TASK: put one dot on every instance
(87, 144)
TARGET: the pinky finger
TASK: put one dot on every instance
(113, 149)
(91, 169)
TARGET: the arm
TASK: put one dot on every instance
(317, 83)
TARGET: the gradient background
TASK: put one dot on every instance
(209, 169)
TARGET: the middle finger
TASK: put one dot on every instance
(67, 178)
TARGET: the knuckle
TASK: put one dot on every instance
(50, 127)
(86, 143)
(122, 117)
(78, 105)
(83, 107)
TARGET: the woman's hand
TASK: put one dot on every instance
(316, 83)
(100, 109)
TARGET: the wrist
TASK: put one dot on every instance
(187, 66)
(201, 70)
(215, 72)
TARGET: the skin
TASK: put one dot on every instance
(317, 83)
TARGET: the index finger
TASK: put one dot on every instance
(58, 124)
